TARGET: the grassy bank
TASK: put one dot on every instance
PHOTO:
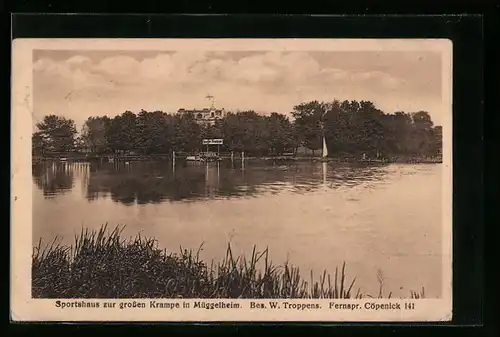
(102, 264)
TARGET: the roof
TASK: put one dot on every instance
(199, 110)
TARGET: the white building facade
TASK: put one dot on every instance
(206, 116)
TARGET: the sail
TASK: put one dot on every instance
(325, 149)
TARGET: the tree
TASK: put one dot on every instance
(246, 131)
(39, 143)
(280, 133)
(94, 134)
(437, 143)
(80, 144)
(113, 134)
(310, 118)
(372, 131)
(56, 133)
(421, 134)
(187, 133)
(153, 133)
(399, 127)
(121, 133)
(349, 127)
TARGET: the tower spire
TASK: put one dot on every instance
(212, 101)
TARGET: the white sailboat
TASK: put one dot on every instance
(325, 149)
(324, 154)
(324, 163)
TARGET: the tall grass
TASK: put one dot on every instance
(101, 264)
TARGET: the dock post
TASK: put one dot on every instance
(173, 159)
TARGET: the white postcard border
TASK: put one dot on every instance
(25, 308)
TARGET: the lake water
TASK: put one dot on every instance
(383, 220)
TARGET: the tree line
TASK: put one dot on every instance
(349, 127)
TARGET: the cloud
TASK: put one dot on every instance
(80, 62)
(251, 69)
(269, 81)
(72, 74)
(118, 65)
(160, 67)
(376, 76)
(49, 67)
(184, 68)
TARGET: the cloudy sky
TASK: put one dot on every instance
(79, 84)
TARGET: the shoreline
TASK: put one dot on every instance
(103, 264)
(168, 158)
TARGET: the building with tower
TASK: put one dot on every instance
(205, 116)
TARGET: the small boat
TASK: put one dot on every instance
(194, 158)
(211, 159)
(377, 159)
(63, 159)
(203, 158)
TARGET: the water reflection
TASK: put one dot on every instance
(155, 182)
(53, 178)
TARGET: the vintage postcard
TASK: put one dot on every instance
(231, 180)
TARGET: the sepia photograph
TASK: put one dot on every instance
(231, 179)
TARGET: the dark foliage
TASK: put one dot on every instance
(349, 127)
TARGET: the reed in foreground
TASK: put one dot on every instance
(102, 264)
